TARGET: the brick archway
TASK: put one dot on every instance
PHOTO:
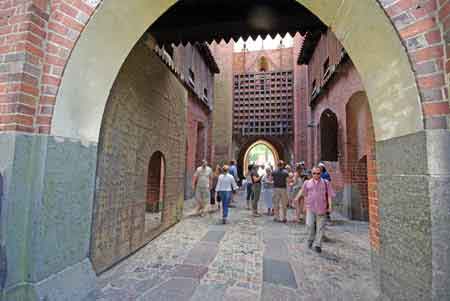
(278, 145)
(67, 93)
(78, 111)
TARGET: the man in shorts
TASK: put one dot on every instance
(201, 184)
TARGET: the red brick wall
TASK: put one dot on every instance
(36, 38)
(444, 20)
(327, 48)
(22, 42)
(372, 187)
(301, 107)
(418, 23)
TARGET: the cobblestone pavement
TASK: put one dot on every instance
(247, 259)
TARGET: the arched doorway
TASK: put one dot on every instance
(78, 111)
(155, 191)
(360, 152)
(328, 136)
(261, 153)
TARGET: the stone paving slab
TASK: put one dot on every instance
(214, 236)
(190, 271)
(176, 289)
(210, 292)
(276, 249)
(272, 292)
(279, 273)
(203, 253)
(239, 294)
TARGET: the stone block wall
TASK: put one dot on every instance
(145, 113)
(46, 217)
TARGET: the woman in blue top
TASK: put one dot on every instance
(324, 173)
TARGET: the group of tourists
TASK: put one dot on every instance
(215, 187)
(309, 192)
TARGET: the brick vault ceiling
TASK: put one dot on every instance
(208, 20)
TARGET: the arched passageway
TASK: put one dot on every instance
(260, 153)
(278, 147)
(411, 265)
(360, 148)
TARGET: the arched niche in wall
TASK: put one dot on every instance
(263, 64)
(155, 191)
(328, 136)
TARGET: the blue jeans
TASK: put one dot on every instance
(225, 197)
(249, 192)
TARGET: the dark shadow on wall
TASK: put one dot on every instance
(328, 136)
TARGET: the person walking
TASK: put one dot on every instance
(224, 188)
(256, 187)
(297, 202)
(326, 176)
(248, 186)
(201, 183)
(318, 194)
(232, 170)
(290, 183)
(280, 198)
(267, 190)
(215, 199)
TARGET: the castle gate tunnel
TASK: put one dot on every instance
(110, 113)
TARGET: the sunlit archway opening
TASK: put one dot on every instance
(262, 154)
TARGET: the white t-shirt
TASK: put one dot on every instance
(225, 183)
(203, 175)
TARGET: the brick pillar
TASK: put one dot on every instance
(66, 22)
(372, 187)
(22, 42)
